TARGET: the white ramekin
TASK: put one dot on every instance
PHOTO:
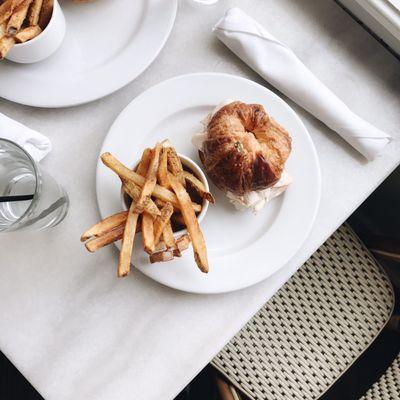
(192, 166)
(43, 45)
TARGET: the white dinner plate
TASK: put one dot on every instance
(108, 44)
(243, 248)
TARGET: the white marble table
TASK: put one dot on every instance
(76, 331)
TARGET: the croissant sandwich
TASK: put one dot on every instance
(243, 151)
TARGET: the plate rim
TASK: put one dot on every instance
(155, 88)
(131, 75)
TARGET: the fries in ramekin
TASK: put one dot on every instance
(163, 198)
(21, 21)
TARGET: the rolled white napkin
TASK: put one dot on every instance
(277, 64)
(37, 145)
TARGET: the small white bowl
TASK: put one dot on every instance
(197, 171)
(44, 44)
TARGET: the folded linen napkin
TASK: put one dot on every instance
(37, 145)
(277, 64)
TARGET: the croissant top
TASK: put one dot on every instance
(245, 149)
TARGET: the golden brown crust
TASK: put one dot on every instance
(245, 149)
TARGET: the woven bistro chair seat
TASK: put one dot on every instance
(314, 328)
(388, 386)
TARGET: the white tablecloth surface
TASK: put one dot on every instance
(75, 330)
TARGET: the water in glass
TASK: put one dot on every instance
(20, 175)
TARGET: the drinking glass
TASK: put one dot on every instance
(29, 197)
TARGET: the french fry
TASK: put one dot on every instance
(147, 220)
(190, 177)
(161, 256)
(6, 44)
(198, 185)
(133, 191)
(3, 29)
(160, 247)
(163, 169)
(168, 237)
(27, 33)
(105, 226)
(196, 207)
(126, 174)
(114, 235)
(132, 220)
(143, 166)
(34, 12)
(166, 143)
(159, 203)
(148, 233)
(46, 13)
(163, 175)
(151, 179)
(182, 243)
(192, 224)
(125, 255)
(7, 8)
(18, 17)
(177, 246)
(161, 221)
(101, 241)
(175, 165)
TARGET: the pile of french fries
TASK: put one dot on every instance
(159, 190)
(22, 20)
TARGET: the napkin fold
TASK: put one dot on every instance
(37, 145)
(277, 64)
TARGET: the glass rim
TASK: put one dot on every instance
(37, 176)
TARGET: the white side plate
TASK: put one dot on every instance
(107, 45)
(243, 248)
